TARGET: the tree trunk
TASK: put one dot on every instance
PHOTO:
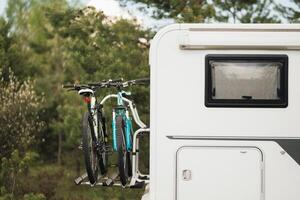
(59, 148)
(78, 166)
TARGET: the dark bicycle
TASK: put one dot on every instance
(94, 136)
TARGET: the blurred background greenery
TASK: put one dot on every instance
(46, 43)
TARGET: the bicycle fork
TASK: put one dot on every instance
(91, 104)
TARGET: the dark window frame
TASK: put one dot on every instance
(254, 103)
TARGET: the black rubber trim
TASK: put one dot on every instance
(292, 147)
(282, 103)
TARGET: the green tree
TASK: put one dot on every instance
(290, 13)
(10, 54)
(246, 11)
(18, 32)
(242, 11)
(20, 124)
(19, 115)
(180, 10)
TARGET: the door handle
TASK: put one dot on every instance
(186, 175)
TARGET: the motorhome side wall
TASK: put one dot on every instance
(221, 153)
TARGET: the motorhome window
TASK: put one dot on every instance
(249, 81)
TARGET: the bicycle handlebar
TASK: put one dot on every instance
(67, 86)
(142, 81)
(118, 83)
(71, 87)
(116, 80)
(104, 83)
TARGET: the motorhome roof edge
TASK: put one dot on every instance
(241, 27)
(154, 42)
(194, 27)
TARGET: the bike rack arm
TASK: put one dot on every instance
(132, 108)
(135, 158)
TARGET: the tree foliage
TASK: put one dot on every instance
(20, 124)
(180, 10)
(64, 44)
(52, 43)
(19, 115)
(242, 11)
(245, 11)
(290, 13)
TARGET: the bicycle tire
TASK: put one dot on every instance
(89, 151)
(124, 161)
(103, 159)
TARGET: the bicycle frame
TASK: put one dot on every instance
(132, 107)
(123, 111)
(91, 101)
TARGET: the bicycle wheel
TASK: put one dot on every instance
(103, 159)
(124, 161)
(89, 148)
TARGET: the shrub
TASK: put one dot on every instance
(20, 123)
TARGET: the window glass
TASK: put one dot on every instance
(245, 80)
(252, 80)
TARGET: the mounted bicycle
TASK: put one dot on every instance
(94, 139)
(122, 131)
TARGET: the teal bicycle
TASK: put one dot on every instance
(122, 130)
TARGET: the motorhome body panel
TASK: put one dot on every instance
(281, 172)
(180, 80)
(214, 173)
(179, 116)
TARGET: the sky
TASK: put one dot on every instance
(2, 6)
(130, 11)
(109, 7)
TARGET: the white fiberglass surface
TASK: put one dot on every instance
(179, 75)
(217, 173)
(242, 80)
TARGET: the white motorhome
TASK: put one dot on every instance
(225, 112)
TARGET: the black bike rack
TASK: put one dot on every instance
(107, 182)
